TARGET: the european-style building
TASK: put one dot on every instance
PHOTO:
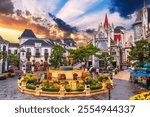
(3, 55)
(111, 40)
(35, 52)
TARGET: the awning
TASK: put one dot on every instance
(130, 70)
(138, 74)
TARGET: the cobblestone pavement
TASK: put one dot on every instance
(122, 90)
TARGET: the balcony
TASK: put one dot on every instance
(37, 55)
(46, 55)
(28, 55)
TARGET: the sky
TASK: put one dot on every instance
(83, 14)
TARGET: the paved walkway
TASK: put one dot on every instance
(123, 89)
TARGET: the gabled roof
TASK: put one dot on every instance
(31, 42)
(28, 33)
(139, 16)
(119, 29)
(68, 41)
(2, 41)
(56, 41)
(14, 45)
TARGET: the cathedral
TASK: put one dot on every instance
(111, 40)
(141, 25)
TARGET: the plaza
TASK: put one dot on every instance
(51, 59)
(123, 90)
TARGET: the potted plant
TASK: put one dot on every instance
(75, 76)
(37, 54)
(46, 55)
(63, 77)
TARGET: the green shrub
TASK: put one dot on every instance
(3, 77)
(97, 86)
(66, 82)
(13, 74)
(89, 80)
(30, 86)
(68, 89)
(31, 81)
(108, 83)
(102, 77)
(58, 82)
(80, 88)
(50, 89)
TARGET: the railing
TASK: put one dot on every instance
(37, 55)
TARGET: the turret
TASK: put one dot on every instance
(27, 34)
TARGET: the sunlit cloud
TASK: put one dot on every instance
(75, 8)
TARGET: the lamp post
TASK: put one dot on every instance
(109, 87)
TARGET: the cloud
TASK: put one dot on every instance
(92, 20)
(74, 8)
(22, 23)
(126, 8)
(37, 8)
(19, 19)
(6, 7)
(63, 25)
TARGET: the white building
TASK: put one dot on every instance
(35, 52)
(102, 39)
(13, 48)
(3, 55)
(111, 40)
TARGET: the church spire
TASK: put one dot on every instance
(145, 3)
(106, 24)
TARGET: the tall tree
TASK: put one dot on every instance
(83, 53)
(14, 59)
(57, 56)
(139, 53)
(105, 57)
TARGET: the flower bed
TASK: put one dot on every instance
(3, 77)
(80, 88)
(51, 87)
(142, 96)
(97, 86)
(30, 86)
(47, 87)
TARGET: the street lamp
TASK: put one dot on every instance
(110, 86)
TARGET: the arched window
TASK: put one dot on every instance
(101, 35)
(4, 48)
(113, 52)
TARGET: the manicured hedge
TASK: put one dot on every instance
(29, 86)
(80, 88)
(68, 89)
(95, 87)
(3, 77)
(31, 81)
(50, 89)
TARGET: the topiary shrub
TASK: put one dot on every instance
(50, 89)
(68, 89)
(97, 86)
(80, 88)
(3, 77)
(103, 77)
(108, 84)
(30, 86)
